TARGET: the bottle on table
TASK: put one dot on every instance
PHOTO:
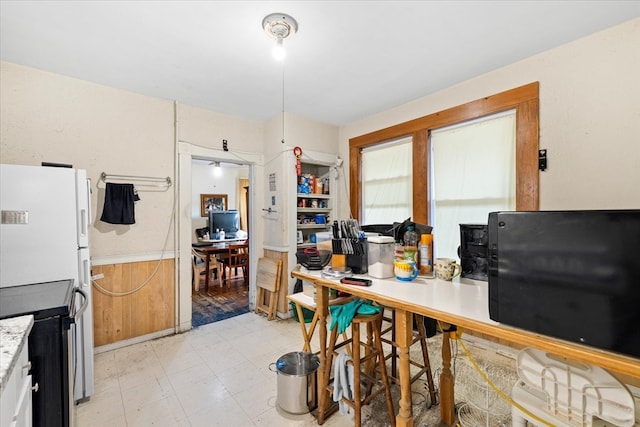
(411, 243)
(217, 234)
(426, 254)
(221, 234)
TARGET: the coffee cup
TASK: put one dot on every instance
(447, 268)
(405, 270)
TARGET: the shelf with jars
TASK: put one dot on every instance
(313, 201)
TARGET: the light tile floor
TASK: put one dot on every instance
(213, 375)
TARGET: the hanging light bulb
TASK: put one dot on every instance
(217, 170)
(280, 26)
(279, 52)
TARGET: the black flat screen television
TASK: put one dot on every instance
(229, 221)
(573, 275)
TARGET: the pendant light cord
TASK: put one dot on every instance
(282, 104)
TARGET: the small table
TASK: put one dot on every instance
(218, 247)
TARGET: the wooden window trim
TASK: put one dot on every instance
(524, 100)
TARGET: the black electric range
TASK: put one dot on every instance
(50, 348)
(40, 299)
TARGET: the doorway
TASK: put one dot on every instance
(187, 153)
(224, 181)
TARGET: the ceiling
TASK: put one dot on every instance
(348, 60)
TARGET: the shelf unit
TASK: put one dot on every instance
(314, 209)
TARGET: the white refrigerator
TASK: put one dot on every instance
(44, 236)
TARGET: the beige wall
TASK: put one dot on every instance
(589, 117)
(315, 139)
(49, 117)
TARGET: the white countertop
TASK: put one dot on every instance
(461, 297)
(14, 333)
(465, 303)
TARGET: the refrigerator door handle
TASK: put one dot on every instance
(85, 212)
(78, 313)
(84, 226)
(88, 203)
(86, 273)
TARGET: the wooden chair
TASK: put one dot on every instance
(237, 257)
(198, 264)
(268, 278)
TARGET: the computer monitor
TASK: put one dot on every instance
(229, 221)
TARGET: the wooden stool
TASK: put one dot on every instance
(418, 336)
(366, 377)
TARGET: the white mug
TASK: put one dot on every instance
(447, 268)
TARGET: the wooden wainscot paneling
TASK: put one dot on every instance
(130, 308)
(283, 306)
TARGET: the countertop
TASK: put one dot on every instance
(14, 333)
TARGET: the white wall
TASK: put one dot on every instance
(589, 117)
(203, 181)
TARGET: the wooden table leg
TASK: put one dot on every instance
(447, 402)
(324, 372)
(404, 336)
(206, 271)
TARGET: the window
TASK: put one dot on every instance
(387, 182)
(472, 173)
(523, 100)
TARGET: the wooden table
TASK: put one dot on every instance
(462, 303)
(218, 247)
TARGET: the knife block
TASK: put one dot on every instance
(359, 264)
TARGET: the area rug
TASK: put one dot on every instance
(211, 307)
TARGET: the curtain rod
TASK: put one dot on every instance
(166, 182)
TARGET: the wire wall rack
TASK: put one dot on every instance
(139, 181)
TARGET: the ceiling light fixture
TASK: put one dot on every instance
(279, 26)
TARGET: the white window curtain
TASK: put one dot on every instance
(472, 174)
(387, 182)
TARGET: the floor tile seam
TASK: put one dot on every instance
(184, 410)
(172, 368)
(137, 410)
(162, 388)
(250, 416)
